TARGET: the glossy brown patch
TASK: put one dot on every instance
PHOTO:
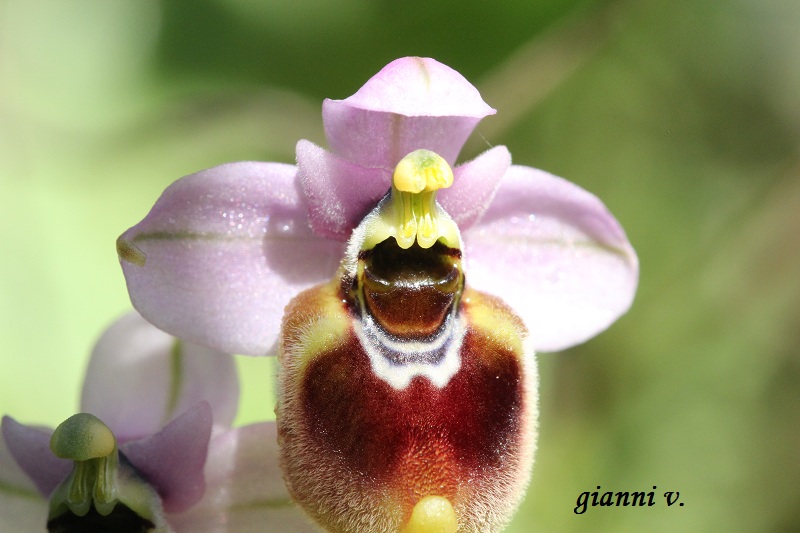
(410, 292)
(420, 440)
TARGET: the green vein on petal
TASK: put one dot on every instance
(176, 377)
(129, 253)
(20, 492)
(582, 244)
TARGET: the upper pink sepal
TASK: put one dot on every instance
(226, 249)
(411, 103)
(420, 86)
(172, 460)
(555, 254)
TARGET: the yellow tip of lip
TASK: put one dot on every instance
(432, 514)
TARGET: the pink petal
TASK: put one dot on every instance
(556, 255)
(22, 508)
(474, 186)
(339, 193)
(245, 489)
(30, 448)
(226, 249)
(11, 475)
(411, 103)
(139, 378)
(172, 460)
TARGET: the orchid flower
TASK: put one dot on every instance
(149, 457)
(405, 296)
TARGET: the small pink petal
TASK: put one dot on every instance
(474, 186)
(226, 249)
(245, 490)
(411, 103)
(339, 193)
(11, 475)
(30, 448)
(556, 255)
(139, 378)
(22, 508)
(172, 460)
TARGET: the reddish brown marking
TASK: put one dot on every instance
(424, 439)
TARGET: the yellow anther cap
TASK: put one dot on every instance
(82, 437)
(416, 179)
(410, 212)
(422, 170)
(432, 514)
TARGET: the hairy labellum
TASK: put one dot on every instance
(400, 387)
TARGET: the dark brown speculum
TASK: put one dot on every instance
(409, 293)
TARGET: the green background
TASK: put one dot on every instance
(682, 115)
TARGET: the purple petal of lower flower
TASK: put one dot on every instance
(22, 508)
(339, 193)
(226, 249)
(411, 103)
(556, 255)
(140, 377)
(172, 460)
(30, 448)
(474, 186)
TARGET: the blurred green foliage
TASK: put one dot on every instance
(683, 116)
